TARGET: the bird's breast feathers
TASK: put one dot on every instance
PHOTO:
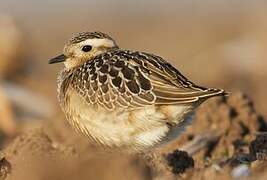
(131, 129)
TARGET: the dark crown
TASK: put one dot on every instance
(81, 36)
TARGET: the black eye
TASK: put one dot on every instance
(86, 48)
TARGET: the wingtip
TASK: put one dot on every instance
(219, 92)
(226, 93)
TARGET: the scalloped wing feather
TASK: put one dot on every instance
(131, 79)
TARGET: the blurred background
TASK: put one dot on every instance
(215, 43)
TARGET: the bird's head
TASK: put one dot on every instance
(84, 46)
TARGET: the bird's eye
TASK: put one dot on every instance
(86, 48)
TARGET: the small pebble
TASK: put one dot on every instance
(241, 171)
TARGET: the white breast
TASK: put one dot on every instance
(132, 130)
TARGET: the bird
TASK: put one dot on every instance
(124, 99)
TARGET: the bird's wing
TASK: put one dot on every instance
(169, 85)
(134, 79)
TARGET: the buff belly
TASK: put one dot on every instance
(131, 130)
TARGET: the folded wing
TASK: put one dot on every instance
(134, 79)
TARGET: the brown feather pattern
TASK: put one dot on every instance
(123, 78)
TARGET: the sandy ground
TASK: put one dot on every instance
(227, 126)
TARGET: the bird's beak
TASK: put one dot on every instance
(58, 59)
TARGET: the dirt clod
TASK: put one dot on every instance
(258, 147)
(5, 166)
(179, 161)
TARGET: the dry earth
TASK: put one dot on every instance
(225, 140)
